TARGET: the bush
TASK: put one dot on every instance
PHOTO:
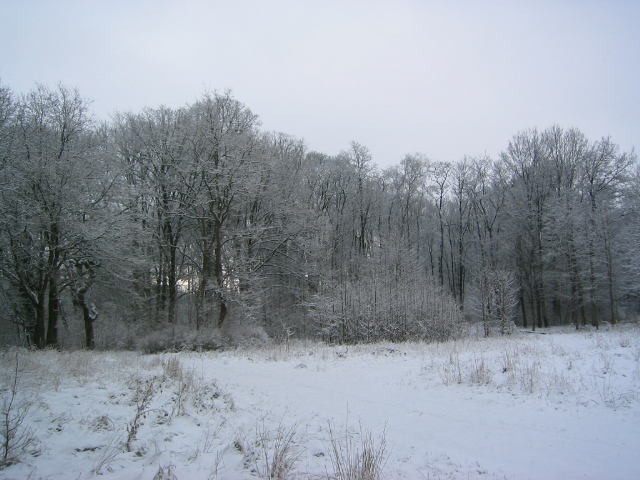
(179, 338)
(370, 310)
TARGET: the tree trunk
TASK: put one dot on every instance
(172, 285)
(89, 316)
(222, 313)
(612, 298)
(543, 306)
(89, 337)
(54, 300)
(441, 254)
(53, 313)
(85, 276)
(39, 328)
(595, 320)
(201, 299)
(218, 272)
(159, 296)
(534, 311)
(524, 310)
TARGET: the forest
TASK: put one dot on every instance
(189, 228)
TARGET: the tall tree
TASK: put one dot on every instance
(606, 170)
(527, 162)
(153, 148)
(223, 151)
(52, 192)
(440, 175)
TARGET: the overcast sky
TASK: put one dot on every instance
(443, 78)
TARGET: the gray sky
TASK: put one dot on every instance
(443, 78)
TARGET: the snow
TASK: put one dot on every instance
(563, 405)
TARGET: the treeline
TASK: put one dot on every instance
(193, 225)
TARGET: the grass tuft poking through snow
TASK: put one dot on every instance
(275, 452)
(357, 455)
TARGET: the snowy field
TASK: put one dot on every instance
(560, 405)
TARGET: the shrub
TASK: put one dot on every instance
(370, 310)
(178, 338)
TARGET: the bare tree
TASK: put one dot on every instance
(606, 169)
(54, 190)
(153, 149)
(527, 163)
(223, 150)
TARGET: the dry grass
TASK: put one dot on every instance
(361, 459)
(17, 439)
(275, 452)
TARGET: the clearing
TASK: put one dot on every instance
(563, 405)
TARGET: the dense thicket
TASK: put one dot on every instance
(194, 224)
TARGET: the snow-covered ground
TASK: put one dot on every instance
(560, 405)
